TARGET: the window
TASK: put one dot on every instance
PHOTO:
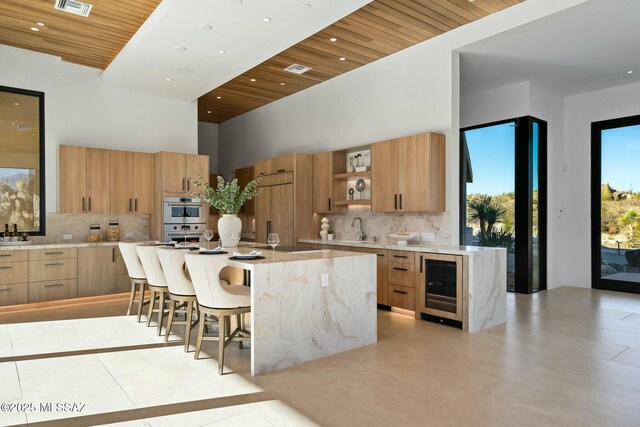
(22, 182)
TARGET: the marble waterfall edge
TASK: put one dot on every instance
(487, 299)
(296, 319)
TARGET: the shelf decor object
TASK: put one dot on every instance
(227, 198)
(324, 228)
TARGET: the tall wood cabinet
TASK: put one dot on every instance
(245, 176)
(131, 182)
(408, 174)
(326, 189)
(83, 175)
(285, 203)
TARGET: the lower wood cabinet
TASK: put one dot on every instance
(53, 269)
(382, 267)
(401, 279)
(123, 282)
(15, 293)
(50, 290)
(96, 271)
(402, 297)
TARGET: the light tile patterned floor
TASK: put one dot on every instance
(568, 357)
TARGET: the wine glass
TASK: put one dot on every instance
(208, 234)
(273, 239)
(235, 238)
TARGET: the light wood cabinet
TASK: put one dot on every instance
(178, 170)
(85, 180)
(14, 275)
(282, 163)
(96, 271)
(285, 203)
(263, 167)
(14, 272)
(244, 177)
(402, 297)
(408, 174)
(326, 189)
(382, 267)
(51, 290)
(12, 256)
(15, 293)
(196, 169)
(53, 269)
(131, 182)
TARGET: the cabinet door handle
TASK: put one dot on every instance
(188, 184)
(129, 205)
(401, 256)
(54, 253)
(51, 264)
(4, 255)
(135, 204)
(380, 254)
(400, 201)
(329, 204)
(268, 229)
(281, 170)
(395, 201)
(89, 203)
(54, 285)
(83, 209)
(113, 254)
(399, 269)
(5, 290)
(400, 292)
(5, 267)
(421, 263)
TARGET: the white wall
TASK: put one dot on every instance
(507, 102)
(412, 91)
(208, 143)
(580, 111)
(80, 111)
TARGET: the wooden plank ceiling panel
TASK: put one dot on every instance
(378, 29)
(93, 41)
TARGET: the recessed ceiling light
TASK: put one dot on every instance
(266, 19)
(205, 27)
(630, 72)
(35, 29)
(15, 103)
(40, 24)
(208, 111)
(218, 97)
(180, 48)
(281, 84)
(253, 80)
(221, 51)
(168, 79)
(333, 39)
(343, 59)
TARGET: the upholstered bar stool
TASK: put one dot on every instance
(136, 274)
(156, 280)
(181, 293)
(217, 298)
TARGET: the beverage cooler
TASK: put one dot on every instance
(440, 286)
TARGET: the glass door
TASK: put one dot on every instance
(503, 183)
(615, 205)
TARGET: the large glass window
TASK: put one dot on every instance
(503, 170)
(616, 204)
(22, 160)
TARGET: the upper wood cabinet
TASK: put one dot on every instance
(408, 174)
(85, 180)
(178, 171)
(278, 164)
(131, 182)
(263, 167)
(244, 177)
(326, 189)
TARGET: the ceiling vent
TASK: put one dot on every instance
(297, 69)
(75, 7)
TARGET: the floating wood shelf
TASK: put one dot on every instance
(363, 202)
(366, 174)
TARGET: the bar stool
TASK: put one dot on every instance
(182, 296)
(156, 280)
(217, 298)
(136, 274)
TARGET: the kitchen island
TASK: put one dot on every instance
(484, 286)
(308, 305)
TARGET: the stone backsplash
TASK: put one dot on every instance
(78, 226)
(382, 224)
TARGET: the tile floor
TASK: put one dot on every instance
(566, 357)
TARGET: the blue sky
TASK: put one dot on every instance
(492, 158)
(11, 172)
(621, 158)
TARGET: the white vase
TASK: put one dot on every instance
(324, 228)
(227, 224)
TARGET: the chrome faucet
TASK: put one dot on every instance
(361, 235)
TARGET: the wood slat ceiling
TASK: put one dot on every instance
(93, 41)
(377, 30)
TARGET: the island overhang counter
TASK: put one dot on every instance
(309, 305)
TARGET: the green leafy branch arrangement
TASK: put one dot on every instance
(227, 198)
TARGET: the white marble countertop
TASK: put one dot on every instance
(413, 247)
(58, 245)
